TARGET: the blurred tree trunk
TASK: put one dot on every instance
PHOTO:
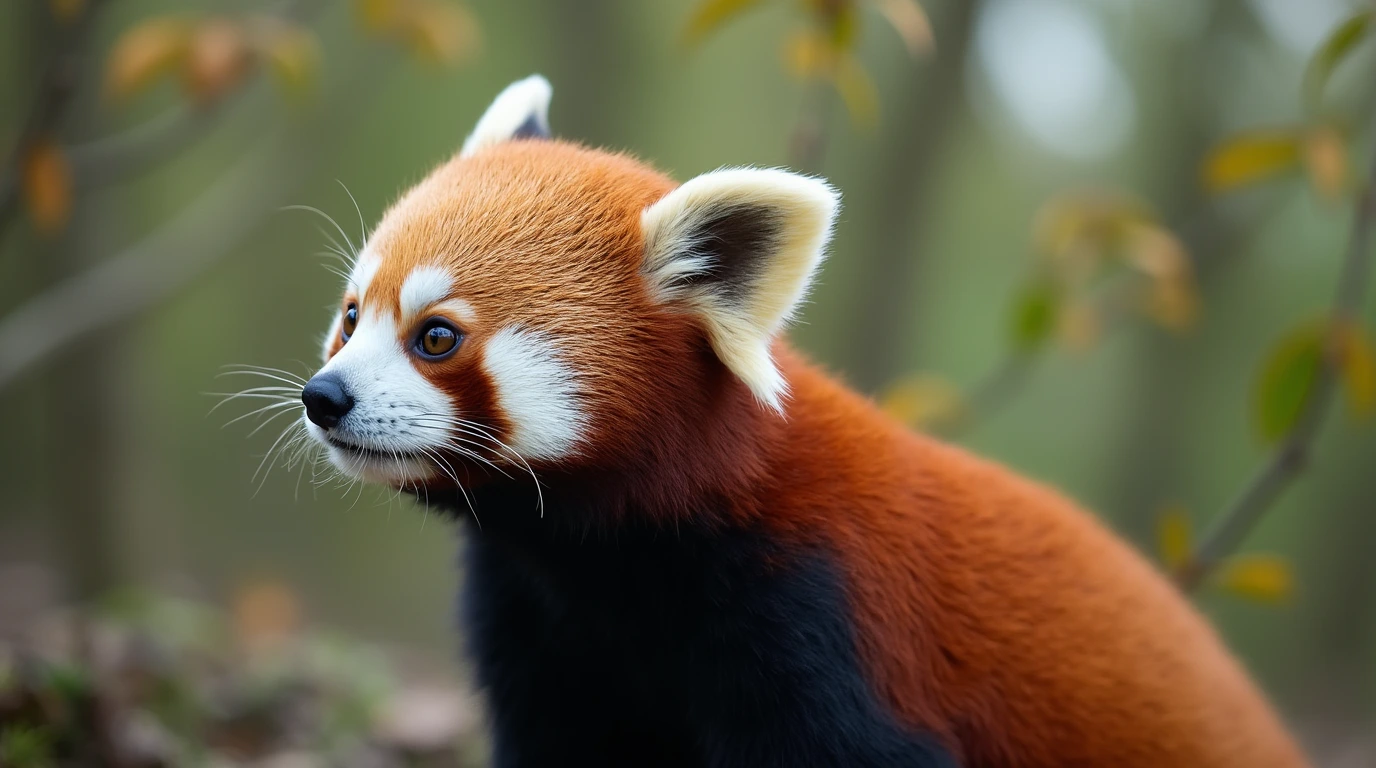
(74, 396)
(592, 70)
(918, 137)
(81, 420)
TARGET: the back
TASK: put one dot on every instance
(997, 613)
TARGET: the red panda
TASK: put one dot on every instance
(688, 545)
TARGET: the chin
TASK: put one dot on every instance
(376, 469)
(374, 465)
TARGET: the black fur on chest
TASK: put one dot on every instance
(693, 646)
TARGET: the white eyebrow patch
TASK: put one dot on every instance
(365, 269)
(458, 308)
(425, 286)
(537, 392)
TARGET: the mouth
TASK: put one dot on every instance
(354, 450)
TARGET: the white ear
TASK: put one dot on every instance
(740, 246)
(520, 111)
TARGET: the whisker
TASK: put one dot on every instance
(327, 217)
(282, 371)
(282, 376)
(268, 421)
(362, 227)
(477, 430)
(271, 451)
(257, 411)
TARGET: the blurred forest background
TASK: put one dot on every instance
(1097, 240)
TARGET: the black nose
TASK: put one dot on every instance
(326, 399)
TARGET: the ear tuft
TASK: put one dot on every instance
(739, 246)
(520, 111)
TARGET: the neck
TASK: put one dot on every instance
(696, 466)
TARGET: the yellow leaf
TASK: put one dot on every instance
(1156, 252)
(1263, 578)
(1250, 158)
(1287, 377)
(1325, 157)
(857, 90)
(712, 14)
(217, 60)
(910, 20)
(1357, 362)
(47, 186)
(1173, 536)
(922, 401)
(146, 52)
(1171, 299)
(376, 15)
(67, 10)
(1095, 219)
(291, 51)
(808, 56)
(440, 32)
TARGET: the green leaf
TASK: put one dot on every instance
(711, 15)
(1034, 315)
(1339, 44)
(1287, 377)
(1251, 157)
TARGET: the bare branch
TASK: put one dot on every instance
(177, 252)
(1290, 458)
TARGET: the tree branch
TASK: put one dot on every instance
(177, 252)
(1291, 457)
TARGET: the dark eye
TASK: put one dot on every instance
(437, 339)
(346, 328)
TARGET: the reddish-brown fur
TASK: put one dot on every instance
(987, 609)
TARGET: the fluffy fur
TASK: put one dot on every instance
(730, 559)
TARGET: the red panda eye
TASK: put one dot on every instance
(437, 339)
(350, 323)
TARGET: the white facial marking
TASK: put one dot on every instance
(458, 308)
(537, 391)
(424, 287)
(397, 412)
(365, 269)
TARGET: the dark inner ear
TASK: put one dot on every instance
(532, 128)
(738, 239)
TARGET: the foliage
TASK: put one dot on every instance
(1261, 578)
(824, 48)
(213, 56)
(168, 682)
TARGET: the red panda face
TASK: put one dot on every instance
(535, 304)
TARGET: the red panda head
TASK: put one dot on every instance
(533, 303)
